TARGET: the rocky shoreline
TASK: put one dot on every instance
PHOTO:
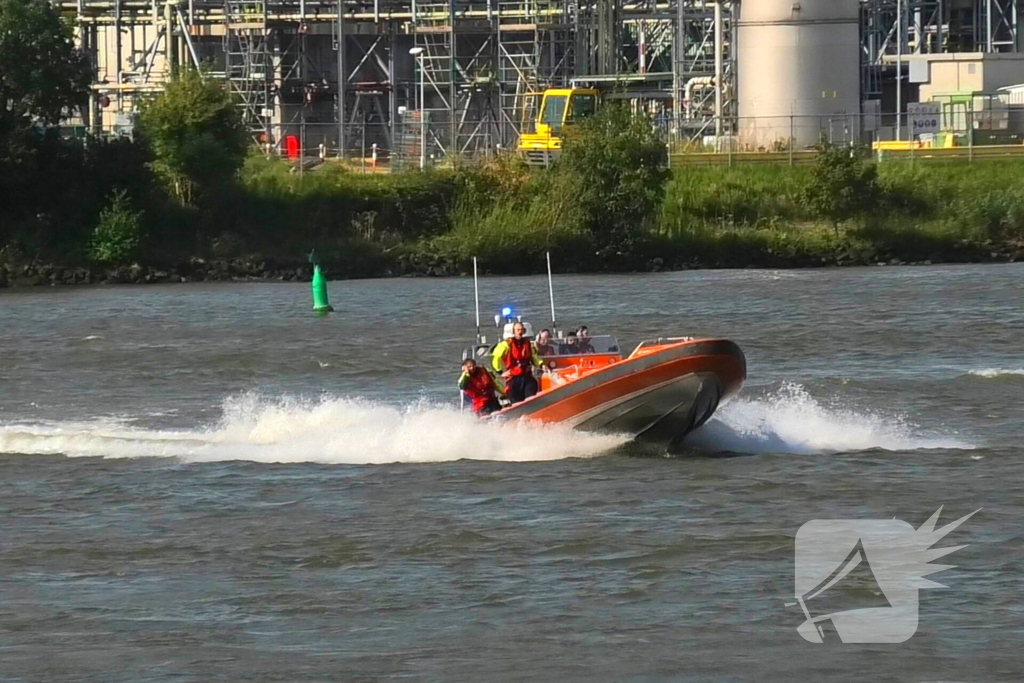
(195, 270)
(242, 270)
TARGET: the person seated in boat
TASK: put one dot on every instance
(583, 337)
(570, 346)
(543, 345)
(479, 388)
(515, 359)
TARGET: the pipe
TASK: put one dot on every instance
(899, 69)
(691, 85)
(423, 113)
(172, 58)
(989, 31)
(341, 80)
(719, 45)
(453, 144)
(642, 45)
(117, 50)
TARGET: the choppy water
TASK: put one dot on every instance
(206, 482)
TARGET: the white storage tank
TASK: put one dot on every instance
(797, 72)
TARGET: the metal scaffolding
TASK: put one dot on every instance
(891, 27)
(249, 64)
(463, 75)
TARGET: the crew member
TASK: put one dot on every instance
(569, 347)
(543, 345)
(583, 334)
(514, 358)
(479, 387)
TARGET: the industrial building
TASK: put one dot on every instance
(463, 75)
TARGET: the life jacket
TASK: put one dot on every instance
(480, 389)
(519, 357)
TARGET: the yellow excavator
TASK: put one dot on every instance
(559, 109)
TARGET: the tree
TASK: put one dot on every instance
(118, 234)
(42, 80)
(42, 76)
(196, 134)
(842, 185)
(614, 169)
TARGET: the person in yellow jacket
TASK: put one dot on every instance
(514, 358)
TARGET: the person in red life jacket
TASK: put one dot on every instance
(515, 358)
(479, 388)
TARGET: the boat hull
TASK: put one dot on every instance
(657, 397)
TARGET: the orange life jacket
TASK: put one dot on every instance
(519, 357)
(480, 390)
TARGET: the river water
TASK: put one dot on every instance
(208, 482)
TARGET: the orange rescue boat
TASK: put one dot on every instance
(658, 394)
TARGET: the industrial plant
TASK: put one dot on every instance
(459, 78)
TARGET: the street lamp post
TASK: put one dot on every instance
(417, 52)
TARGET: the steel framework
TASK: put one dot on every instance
(351, 73)
(890, 27)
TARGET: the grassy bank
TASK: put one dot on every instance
(757, 215)
(434, 223)
(736, 217)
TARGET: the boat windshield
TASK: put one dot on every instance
(586, 345)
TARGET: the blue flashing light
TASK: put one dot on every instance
(507, 311)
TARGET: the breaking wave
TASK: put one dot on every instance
(791, 421)
(330, 430)
(356, 431)
(990, 373)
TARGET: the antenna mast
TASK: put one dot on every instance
(476, 297)
(551, 294)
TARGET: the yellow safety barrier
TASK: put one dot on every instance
(898, 145)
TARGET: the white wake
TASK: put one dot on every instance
(330, 430)
(990, 373)
(790, 420)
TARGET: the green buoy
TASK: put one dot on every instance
(320, 302)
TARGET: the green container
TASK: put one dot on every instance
(321, 304)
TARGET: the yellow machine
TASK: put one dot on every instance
(559, 108)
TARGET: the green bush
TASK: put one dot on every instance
(118, 234)
(196, 134)
(614, 168)
(842, 185)
(593, 209)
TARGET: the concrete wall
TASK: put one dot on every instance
(967, 72)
